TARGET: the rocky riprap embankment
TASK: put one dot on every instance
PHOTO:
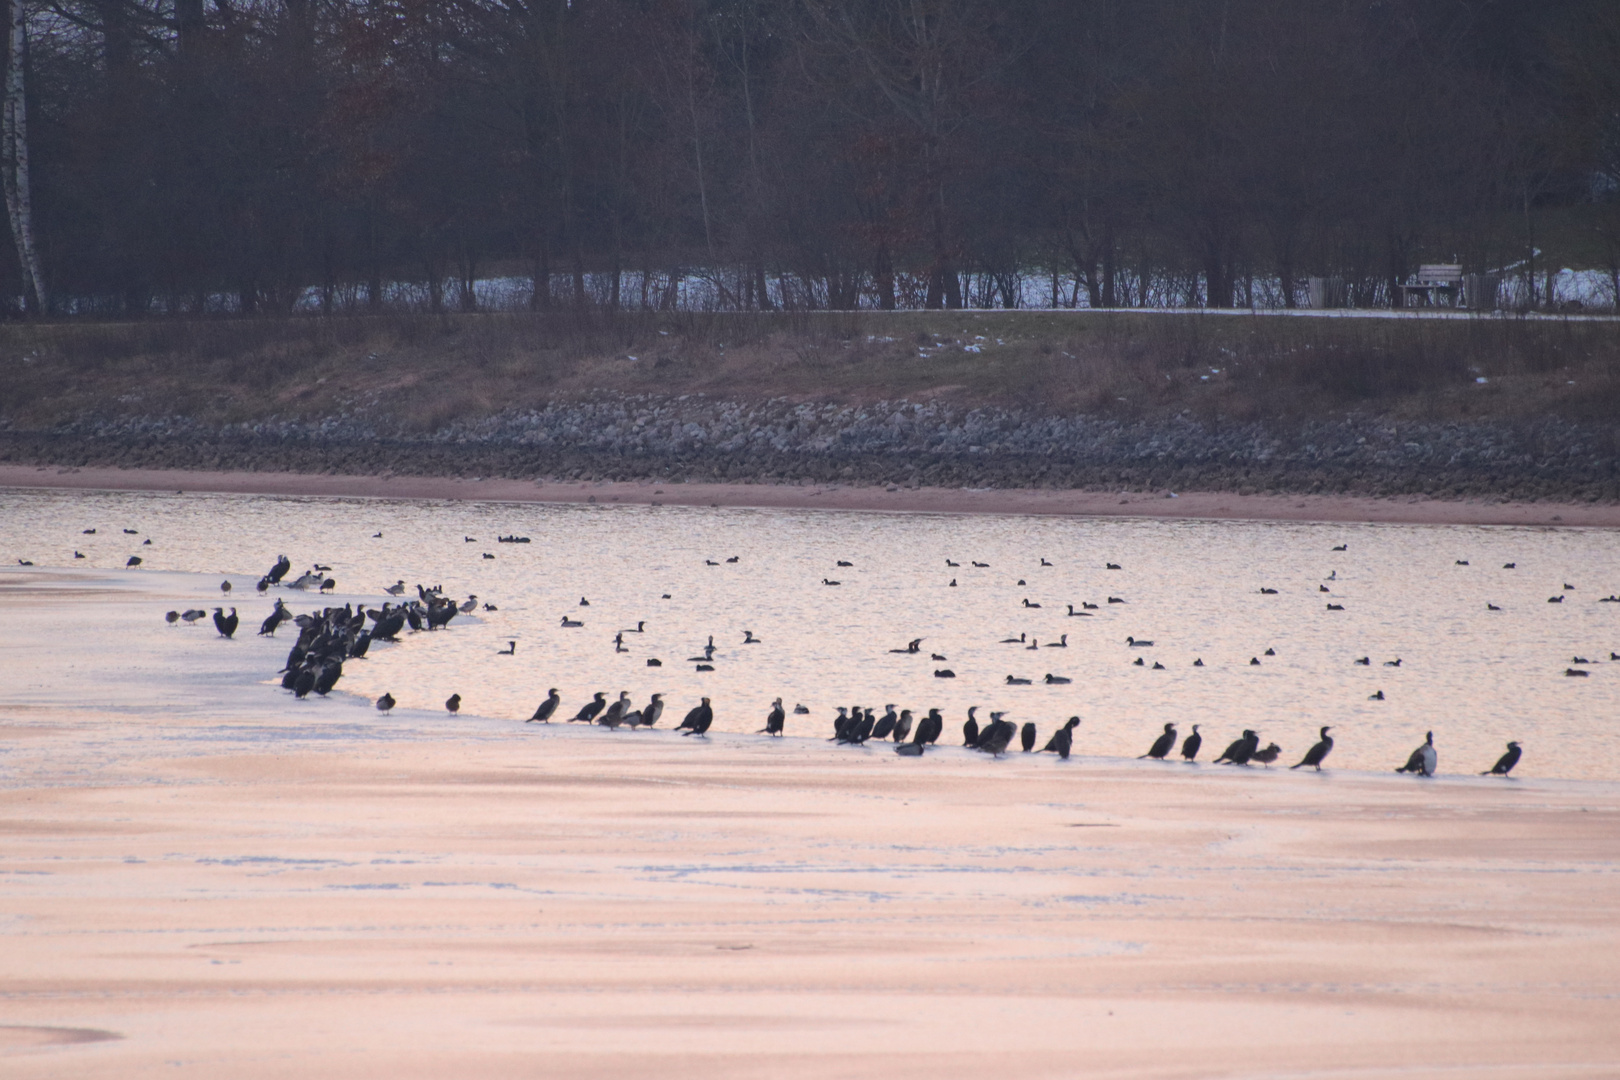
(700, 438)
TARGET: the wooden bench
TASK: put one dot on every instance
(1430, 283)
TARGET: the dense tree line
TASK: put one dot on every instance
(815, 153)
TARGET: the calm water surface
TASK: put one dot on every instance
(1476, 677)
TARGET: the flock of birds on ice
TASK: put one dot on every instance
(330, 636)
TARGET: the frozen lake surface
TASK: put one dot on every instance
(1422, 595)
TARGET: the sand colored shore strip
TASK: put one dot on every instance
(198, 875)
(1208, 505)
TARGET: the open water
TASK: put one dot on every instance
(1418, 594)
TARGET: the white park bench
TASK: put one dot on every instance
(1430, 283)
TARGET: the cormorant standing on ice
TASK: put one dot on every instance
(225, 624)
(698, 720)
(774, 720)
(1241, 750)
(588, 711)
(652, 711)
(1062, 739)
(1423, 759)
(453, 703)
(1162, 745)
(1026, 736)
(277, 616)
(970, 730)
(385, 702)
(1315, 755)
(1505, 763)
(1191, 744)
(547, 707)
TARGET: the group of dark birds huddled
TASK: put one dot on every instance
(331, 636)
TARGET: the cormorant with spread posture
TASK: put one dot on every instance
(1316, 754)
(1423, 759)
(1505, 763)
(547, 707)
(225, 624)
(1162, 745)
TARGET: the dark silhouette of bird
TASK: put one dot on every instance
(1057, 680)
(885, 724)
(997, 735)
(1028, 604)
(845, 562)
(1267, 592)
(543, 713)
(1377, 695)
(1162, 745)
(1342, 547)
(944, 673)
(453, 703)
(1266, 756)
(587, 712)
(652, 711)
(980, 565)
(1191, 744)
(1198, 662)
(225, 624)
(912, 646)
(171, 617)
(1110, 566)
(1062, 740)
(1491, 607)
(1423, 759)
(1254, 661)
(970, 729)
(78, 555)
(133, 532)
(653, 661)
(510, 650)
(1505, 763)
(571, 623)
(698, 720)
(134, 560)
(1019, 640)
(279, 570)
(1026, 734)
(1138, 643)
(1365, 661)
(278, 615)
(1060, 643)
(1393, 663)
(949, 563)
(1241, 750)
(385, 702)
(902, 726)
(1044, 562)
(1318, 753)
(224, 586)
(1270, 652)
(775, 720)
(1510, 566)
(824, 581)
(614, 716)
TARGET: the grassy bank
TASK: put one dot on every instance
(424, 371)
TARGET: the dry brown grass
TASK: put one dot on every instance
(426, 370)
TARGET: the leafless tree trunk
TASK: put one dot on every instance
(14, 160)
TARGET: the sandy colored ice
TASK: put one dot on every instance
(199, 876)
